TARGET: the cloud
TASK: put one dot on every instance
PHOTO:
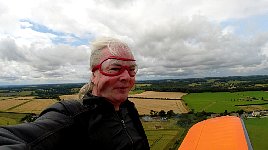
(34, 64)
(198, 45)
(45, 41)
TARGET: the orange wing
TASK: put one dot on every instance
(220, 133)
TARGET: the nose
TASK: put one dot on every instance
(125, 75)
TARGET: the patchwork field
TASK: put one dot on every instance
(8, 104)
(33, 106)
(24, 104)
(145, 105)
(145, 102)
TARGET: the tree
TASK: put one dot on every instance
(162, 113)
(170, 113)
(225, 113)
(29, 117)
(153, 113)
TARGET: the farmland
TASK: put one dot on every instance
(205, 95)
(24, 104)
(258, 131)
(33, 106)
(11, 118)
(144, 106)
(218, 102)
(169, 132)
(69, 97)
(165, 137)
(154, 94)
(151, 100)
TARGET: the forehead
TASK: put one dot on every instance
(121, 52)
(116, 62)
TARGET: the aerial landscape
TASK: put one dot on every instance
(166, 113)
(192, 61)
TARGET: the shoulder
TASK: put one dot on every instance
(130, 104)
(131, 107)
(69, 108)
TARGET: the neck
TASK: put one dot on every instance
(116, 107)
(115, 104)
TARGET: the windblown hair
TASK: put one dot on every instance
(114, 46)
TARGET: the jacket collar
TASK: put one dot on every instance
(90, 100)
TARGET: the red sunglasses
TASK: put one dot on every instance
(117, 70)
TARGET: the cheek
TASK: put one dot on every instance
(106, 83)
(132, 82)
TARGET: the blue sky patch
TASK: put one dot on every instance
(248, 26)
(61, 38)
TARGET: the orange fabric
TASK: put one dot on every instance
(220, 133)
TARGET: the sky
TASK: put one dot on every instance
(48, 41)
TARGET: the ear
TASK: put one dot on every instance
(94, 78)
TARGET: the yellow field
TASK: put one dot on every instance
(153, 94)
(252, 108)
(24, 98)
(9, 103)
(34, 106)
(144, 106)
(69, 97)
(5, 98)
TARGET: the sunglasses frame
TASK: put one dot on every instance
(98, 67)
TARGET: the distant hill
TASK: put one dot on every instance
(208, 84)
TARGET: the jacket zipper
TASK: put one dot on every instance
(125, 129)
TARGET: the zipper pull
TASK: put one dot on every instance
(123, 123)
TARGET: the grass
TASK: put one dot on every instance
(165, 137)
(11, 118)
(161, 139)
(258, 131)
(218, 102)
(5, 93)
(135, 92)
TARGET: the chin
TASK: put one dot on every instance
(121, 98)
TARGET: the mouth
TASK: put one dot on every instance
(122, 88)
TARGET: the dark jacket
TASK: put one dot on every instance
(90, 124)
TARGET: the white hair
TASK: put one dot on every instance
(114, 46)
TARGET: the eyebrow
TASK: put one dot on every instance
(118, 64)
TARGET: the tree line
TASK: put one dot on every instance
(197, 85)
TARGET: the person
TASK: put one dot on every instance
(103, 118)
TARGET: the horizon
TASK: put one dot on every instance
(1, 85)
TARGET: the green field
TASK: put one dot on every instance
(257, 129)
(11, 118)
(165, 137)
(218, 102)
(4, 93)
(162, 139)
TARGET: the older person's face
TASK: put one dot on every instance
(114, 88)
